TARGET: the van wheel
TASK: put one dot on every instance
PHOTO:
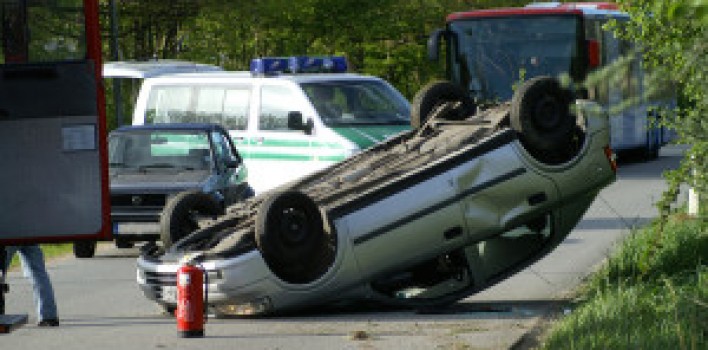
(291, 237)
(84, 249)
(540, 112)
(433, 95)
(180, 216)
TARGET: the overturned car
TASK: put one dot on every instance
(431, 216)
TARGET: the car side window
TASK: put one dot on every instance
(222, 148)
(276, 102)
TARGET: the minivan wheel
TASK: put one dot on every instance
(291, 237)
(180, 216)
(433, 95)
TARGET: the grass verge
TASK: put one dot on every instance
(50, 251)
(651, 294)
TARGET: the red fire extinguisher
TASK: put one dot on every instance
(190, 300)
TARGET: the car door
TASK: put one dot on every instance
(278, 154)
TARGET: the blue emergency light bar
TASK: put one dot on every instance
(298, 64)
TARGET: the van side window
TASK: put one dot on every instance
(168, 104)
(225, 105)
(276, 102)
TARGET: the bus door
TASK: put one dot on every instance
(54, 181)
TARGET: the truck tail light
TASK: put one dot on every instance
(611, 157)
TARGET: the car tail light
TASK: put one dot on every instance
(611, 157)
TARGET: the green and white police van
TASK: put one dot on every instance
(288, 117)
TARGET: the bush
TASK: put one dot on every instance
(652, 293)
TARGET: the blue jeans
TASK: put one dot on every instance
(33, 266)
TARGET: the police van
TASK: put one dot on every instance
(288, 117)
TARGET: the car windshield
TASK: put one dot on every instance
(358, 102)
(497, 53)
(159, 149)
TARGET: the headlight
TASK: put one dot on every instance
(140, 276)
(255, 307)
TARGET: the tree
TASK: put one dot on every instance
(674, 39)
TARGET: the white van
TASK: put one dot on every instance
(286, 119)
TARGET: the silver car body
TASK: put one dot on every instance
(479, 199)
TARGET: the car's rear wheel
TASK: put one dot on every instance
(291, 237)
(540, 113)
(432, 97)
(181, 214)
(84, 249)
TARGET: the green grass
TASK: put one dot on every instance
(651, 294)
(50, 251)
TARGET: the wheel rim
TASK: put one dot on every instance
(294, 226)
(547, 113)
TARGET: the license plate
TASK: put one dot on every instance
(169, 294)
(136, 228)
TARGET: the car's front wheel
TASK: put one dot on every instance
(291, 237)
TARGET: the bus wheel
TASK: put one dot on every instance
(540, 113)
(291, 237)
(181, 215)
(433, 95)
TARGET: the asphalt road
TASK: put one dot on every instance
(101, 307)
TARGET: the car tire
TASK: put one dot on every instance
(540, 113)
(84, 249)
(291, 237)
(178, 218)
(433, 95)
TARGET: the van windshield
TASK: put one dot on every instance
(357, 102)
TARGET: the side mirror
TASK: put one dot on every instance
(434, 44)
(295, 122)
(232, 163)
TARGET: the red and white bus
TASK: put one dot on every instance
(54, 180)
(489, 51)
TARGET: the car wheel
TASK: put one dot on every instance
(180, 216)
(291, 237)
(540, 113)
(433, 95)
(84, 249)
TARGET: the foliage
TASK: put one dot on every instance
(649, 295)
(675, 50)
(386, 38)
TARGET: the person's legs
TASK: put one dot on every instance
(34, 268)
(9, 252)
